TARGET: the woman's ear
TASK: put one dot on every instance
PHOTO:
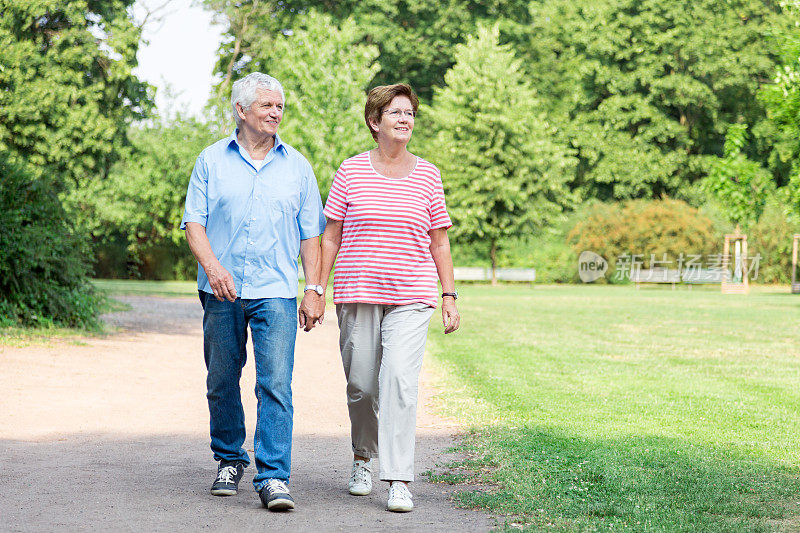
(373, 126)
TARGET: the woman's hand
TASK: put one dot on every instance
(450, 317)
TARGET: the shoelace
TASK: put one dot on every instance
(276, 485)
(360, 473)
(399, 490)
(226, 474)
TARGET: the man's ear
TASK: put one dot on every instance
(240, 110)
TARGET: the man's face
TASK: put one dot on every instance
(264, 115)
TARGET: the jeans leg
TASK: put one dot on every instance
(224, 341)
(273, 324)
(404, 330)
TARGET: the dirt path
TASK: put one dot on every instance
(113, 436)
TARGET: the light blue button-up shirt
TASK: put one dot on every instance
(254, 219)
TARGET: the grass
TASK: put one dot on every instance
(147, 288)
(17, 336)
(599, 408)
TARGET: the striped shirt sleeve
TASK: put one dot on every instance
(439, 216)
(336, 206)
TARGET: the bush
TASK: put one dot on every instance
(771, 237)
(645, 228)
(43, 263)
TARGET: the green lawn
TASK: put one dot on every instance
(599, 408)
(148, 288)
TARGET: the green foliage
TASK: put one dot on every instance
(739, 184)
(43, 263)
(645, 90)
(503, 172)
(134, 215)
(782, 101)
(324, 72)
(771, 238)
(644, 228)
(415, 38)
(67, 92)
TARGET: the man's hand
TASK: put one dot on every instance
(221, 282)
(311, 308)
(450, 317)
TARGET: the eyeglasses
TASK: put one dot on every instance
(397, 113)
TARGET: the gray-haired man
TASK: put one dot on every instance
(252, 206)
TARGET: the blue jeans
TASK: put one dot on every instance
(273, 324)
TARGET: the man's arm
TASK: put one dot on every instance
(313, 305)
(220, 279)
(331, 241)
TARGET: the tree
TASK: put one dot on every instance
(740, 185)
(646, 90)
(67, 91)
(782, 101)
(324, 72)
(135, 213)
(503, 171)
(415, 38)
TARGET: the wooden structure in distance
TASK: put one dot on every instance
(795, 282)
(730, 285)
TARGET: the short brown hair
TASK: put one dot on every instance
(381, 96)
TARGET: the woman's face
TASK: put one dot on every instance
(397, 120)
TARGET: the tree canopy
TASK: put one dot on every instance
(503, 171)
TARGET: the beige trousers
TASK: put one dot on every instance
(382, 348)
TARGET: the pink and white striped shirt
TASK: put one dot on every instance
(385, 253)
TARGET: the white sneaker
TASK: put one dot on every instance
(361, 478)
(399, 498)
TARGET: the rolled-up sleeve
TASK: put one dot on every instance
(310, 219)
(196, 209)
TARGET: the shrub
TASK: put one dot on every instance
(43, 263)
(771, 238)
(645, 228)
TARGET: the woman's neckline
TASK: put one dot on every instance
(369, 158)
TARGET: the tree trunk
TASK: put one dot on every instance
(493, 255)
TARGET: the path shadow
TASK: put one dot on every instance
(161, 483)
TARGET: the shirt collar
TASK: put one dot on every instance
(279, 145)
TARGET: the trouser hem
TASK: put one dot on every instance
(396, 476)
(364, 453)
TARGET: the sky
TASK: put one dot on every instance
(178, 54)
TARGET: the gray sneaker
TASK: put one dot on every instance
(228, 476)
(275, 496)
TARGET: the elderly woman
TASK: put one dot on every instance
(387, 221)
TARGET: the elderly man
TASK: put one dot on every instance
(252, 206)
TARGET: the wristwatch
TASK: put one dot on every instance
(316, 288)
(454, 294)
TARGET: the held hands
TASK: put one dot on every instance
(450, 317)
(221, 282)
(311, 310)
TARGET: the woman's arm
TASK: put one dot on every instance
(440, 251)
(331, 241)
